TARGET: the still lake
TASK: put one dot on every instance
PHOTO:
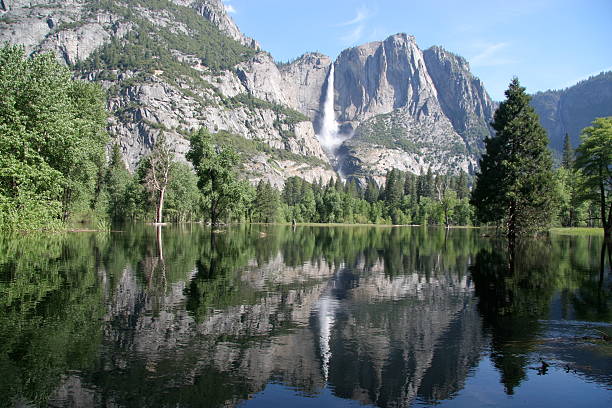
(260, 316)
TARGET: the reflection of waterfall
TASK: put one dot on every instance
(329, 135)
(326, 311)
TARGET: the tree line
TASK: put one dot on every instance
(54, 169)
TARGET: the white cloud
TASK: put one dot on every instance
(490, 55)
(353, 36)
(357, 26)
(230, 9)
(362, 14)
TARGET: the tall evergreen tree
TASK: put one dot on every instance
(515, 184)
(371, 192)
(394, 188)
(462, 188)
(265, 203)
(567, 160)
(116, 180)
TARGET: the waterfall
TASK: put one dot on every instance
(329, 136)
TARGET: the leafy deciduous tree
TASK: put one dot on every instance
(595, 161)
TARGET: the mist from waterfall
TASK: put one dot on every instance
(329, 135)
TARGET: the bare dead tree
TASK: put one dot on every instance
(158, 174)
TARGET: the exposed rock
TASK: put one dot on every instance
(304, 79)
(462, 96)
(214, 11)
(385, 92)
(408, 109)
(145, 103)
(572, 109)
(261, 77)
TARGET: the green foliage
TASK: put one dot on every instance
(266, 203)
(285, 115)
(349, 203)
(52, 137)
(149, 46)
(116, 182)
(595, 163)
(248, 148)
(515, 184)
(217, 178)
(183, 199)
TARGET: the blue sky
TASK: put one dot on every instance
(548, 44)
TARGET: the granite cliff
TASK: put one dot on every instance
(572, 109)
(175, 66)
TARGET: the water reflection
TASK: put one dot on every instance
(382, 316)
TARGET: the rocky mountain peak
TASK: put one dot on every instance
(214, 11)
(378, 77)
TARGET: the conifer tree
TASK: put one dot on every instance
(515, 184)
(567, 160)
(371, 192)
(462, 188)
(265, 203)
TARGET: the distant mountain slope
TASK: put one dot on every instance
(572, 109)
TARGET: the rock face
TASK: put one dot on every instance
(182, 93)
(304, 79)
(462, 96)
(214, 11)
(572, 109)
(405, 108)
(409, 109)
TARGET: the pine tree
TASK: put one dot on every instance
(265, 203)
(568, 153)
(115, 183)
(371, 192)
(515, 184)
(462, 188)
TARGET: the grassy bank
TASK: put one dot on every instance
(577, 231)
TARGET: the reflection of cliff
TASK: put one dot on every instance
(153, 343)
(384, 336)
(392, 341)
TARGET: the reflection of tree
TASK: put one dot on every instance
(153, 264)
(514, 290)
(50, 310)
(217, 281)
(592, 301)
